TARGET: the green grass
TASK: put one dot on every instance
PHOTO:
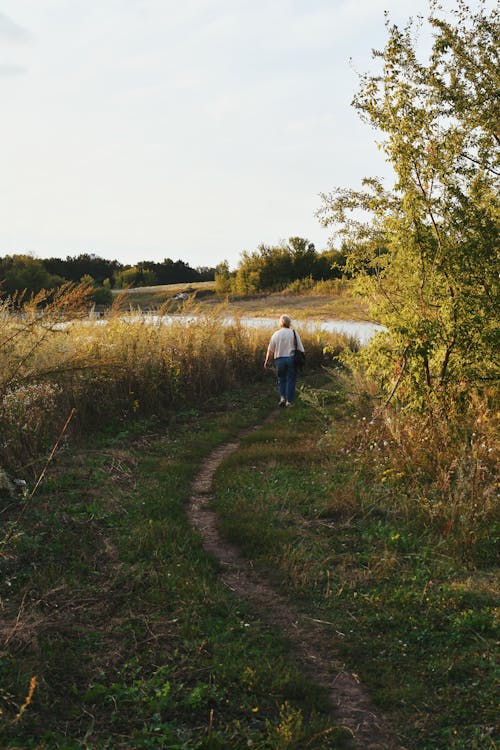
(417, 622)
(109, 600)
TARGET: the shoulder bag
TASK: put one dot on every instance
(299, 357)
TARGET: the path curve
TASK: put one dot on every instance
(350, 701)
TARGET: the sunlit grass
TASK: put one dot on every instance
(319, 303)
(329, 506)
(302, 300)
(164, 295)
(56, 357)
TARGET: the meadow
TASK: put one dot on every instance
(391, 544)
(303, 299)
(58, 360)
(163, 295)
(116, 630)
(370, 508)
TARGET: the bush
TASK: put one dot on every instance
(309, 285)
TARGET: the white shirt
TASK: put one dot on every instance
(282, 343)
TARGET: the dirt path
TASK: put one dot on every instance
(350, 701)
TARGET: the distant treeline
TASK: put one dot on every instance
(24, 272)
(273, 268)
(269, 268)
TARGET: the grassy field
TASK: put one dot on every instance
(409, 599)
(300, 306)
(162, 296)
(115, 615)
(116, 630)
(56, 362)
(327, 301)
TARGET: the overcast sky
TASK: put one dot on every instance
(192, 129)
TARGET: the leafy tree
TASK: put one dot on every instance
(271, 268)
(146, 272)
(266, 269)
(73, 268)
(135, 276)
(330, 264)
(205, 273)
(176, 272)
(19, 273)
(304, 257)
(101, 295)
(426, 250)
(223, 278)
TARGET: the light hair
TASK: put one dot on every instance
(285, 321)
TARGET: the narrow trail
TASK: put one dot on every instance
(351, 704)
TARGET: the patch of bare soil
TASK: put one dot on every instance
(351, 704)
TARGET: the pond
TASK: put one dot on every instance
(361, 329)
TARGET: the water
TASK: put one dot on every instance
(361, 329)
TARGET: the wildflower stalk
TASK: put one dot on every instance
(27, 701)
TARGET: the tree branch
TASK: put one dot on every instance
(476, 161)
(398, 380)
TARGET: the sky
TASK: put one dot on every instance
(191, 129)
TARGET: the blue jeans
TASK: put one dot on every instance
(287, 377)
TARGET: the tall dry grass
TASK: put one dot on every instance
(436, 469)
(55, 357)
(447, 461)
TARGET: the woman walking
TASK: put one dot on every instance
(281, 349)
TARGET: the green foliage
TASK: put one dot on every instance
(222, 279)
(23, 273)
(175, 272)
(427, 253)
(135, 276)
(20, 273)
(272, 268)
(102, 295)
(166, 271)
(73, 268)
